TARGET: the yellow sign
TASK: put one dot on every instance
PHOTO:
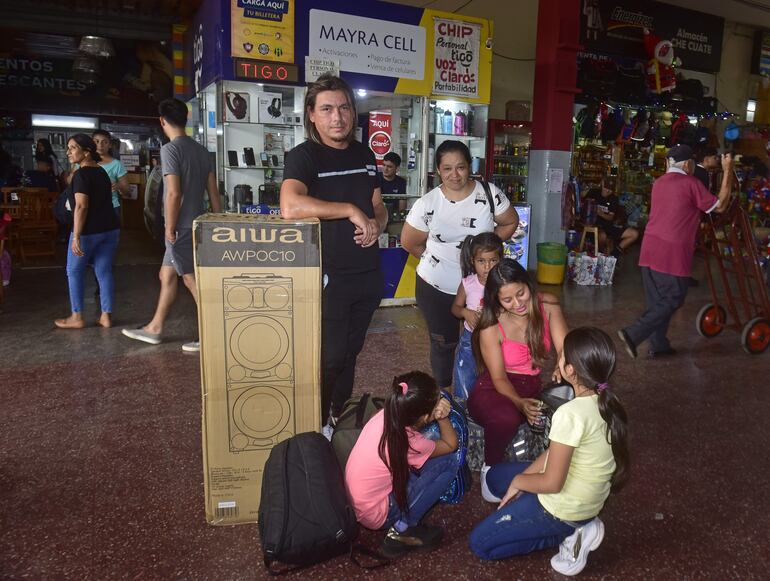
(445, 31)
(262, 29)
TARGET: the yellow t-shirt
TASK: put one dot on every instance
(579, 424)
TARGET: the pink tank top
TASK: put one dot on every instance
(474, 294)
(517, 357)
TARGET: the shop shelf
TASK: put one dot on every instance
(257, 123)
(517, 158)
(509, 175)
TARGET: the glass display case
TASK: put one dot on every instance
(508, 144)
(459, 121)
(248, 127)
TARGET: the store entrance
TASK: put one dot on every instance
(390, 123)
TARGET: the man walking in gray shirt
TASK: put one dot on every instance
(187, 176)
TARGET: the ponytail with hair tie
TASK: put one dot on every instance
(600, 387)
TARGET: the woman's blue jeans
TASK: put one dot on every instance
(521, 526)
(465, 366)
(422, 491)
(98, 249)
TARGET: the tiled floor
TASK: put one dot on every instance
(100, 454)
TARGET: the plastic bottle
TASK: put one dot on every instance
(459, 125)
(470, 119)
(439, 119)
(447, 123)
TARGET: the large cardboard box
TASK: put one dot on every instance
(259, 312)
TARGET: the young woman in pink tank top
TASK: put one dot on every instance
(517, 328)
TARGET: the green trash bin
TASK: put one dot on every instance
(551, 262)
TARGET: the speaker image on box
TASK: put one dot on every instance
(259, 356)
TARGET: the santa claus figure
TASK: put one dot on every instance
(660, 70)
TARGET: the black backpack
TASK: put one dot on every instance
(356, 412)
(60, 211)
(304, 515)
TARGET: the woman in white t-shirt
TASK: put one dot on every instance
(434, 230)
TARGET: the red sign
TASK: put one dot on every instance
(253, 70)
(379, 134)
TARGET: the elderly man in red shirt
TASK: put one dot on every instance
(678, 199)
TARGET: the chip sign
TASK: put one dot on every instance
(252, 70)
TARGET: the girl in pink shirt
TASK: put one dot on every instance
(478, 256)
(512, 340)
(394, 474)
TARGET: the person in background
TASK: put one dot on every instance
(435, 227)
(113, 167)
(333, 177)
(706, 163)
(614, 238)
(394, 474)
(390, 183)
(556, 499)
(43, 148)
(42, 176)
(187, 176)
(95, 231)
(678, 201)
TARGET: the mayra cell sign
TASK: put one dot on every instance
(368, 46)
(456, 54)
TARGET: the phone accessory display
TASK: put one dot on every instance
(232, 158)
(248, 156)
(237, 106)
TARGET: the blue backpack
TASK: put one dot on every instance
(462, 482)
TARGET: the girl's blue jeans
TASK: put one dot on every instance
(521, 526)
(465, 366)
(98, 249)
(422, 491)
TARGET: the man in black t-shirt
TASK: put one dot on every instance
(334, 178)
(607, 206)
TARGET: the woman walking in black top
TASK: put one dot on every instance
(95, 231)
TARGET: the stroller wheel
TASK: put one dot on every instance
(756, 336)
(710, 320)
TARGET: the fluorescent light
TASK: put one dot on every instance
(361, 92)
(63, 121)
(129, 145)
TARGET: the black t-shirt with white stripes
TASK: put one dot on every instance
(338, 175)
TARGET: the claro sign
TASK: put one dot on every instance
(380, 130)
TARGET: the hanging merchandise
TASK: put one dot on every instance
(664, 127)
(732, 131)
(628, 126)
(661, 77)
(682, 131)
(612, 125)
(641, 127)
(412, 159)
